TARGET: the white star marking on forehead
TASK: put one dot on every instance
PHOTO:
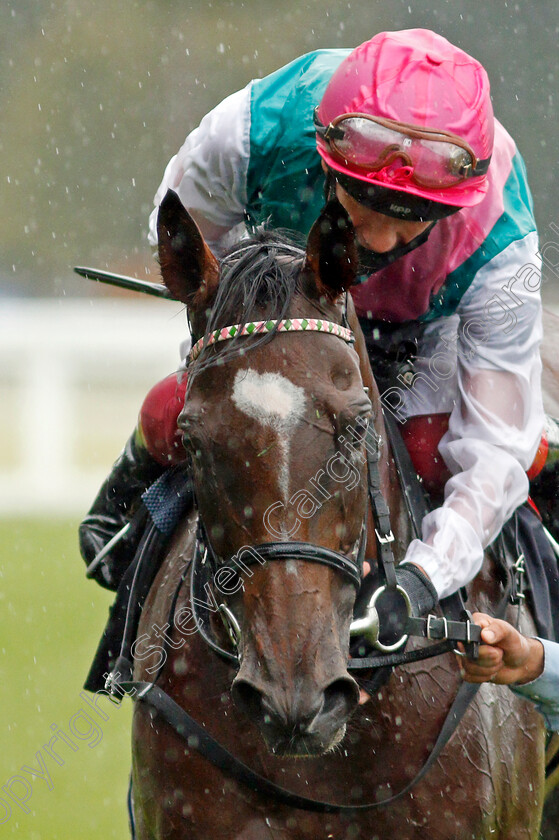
(274, 401)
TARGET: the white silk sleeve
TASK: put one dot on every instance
(209, 172)
(497, 419)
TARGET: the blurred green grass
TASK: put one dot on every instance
(50, 621)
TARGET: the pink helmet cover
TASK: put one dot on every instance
(415, 76)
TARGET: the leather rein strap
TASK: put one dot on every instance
(199, 739)
(209, 748)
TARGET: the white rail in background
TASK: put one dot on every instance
(60, 362)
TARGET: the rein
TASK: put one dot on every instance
(220, 757)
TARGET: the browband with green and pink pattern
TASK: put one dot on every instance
(257, 327)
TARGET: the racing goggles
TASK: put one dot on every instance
(432, 158)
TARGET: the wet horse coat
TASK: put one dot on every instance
(262, 425)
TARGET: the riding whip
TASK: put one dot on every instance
(124, 282)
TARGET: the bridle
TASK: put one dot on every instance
(270, 326)
(205, 560)
(206, 566)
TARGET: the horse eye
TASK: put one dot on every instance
(186, 427)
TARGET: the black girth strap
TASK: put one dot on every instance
(202, 741)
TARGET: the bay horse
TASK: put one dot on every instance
(266, 421)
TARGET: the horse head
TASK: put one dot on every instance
(274, 426)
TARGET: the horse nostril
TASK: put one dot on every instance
(247, 698)
(308, 713)
(341, 696)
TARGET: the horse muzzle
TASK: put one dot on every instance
(307, 720)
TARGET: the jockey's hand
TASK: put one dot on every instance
(505, 655)
(392, 610)
(391, 605)
(422, 593)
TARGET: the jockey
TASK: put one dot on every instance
(436, 190)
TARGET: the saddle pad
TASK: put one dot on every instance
(168, 498)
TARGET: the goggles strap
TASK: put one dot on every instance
(394, 203)
(329, 186)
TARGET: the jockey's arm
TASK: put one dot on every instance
(209, 171)
(496, 424)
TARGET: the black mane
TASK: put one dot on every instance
(259, 276)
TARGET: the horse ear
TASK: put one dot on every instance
(332, 260)
(188, 268)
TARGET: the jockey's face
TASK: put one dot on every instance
(375, 231)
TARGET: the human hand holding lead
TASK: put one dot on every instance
(505, 655)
